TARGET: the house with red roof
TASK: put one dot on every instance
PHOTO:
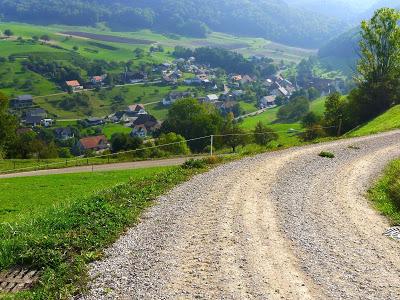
(74, 85)
(94, 143)
(98, 80)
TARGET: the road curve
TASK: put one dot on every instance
(282, 225)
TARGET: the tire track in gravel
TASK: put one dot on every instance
(283, 225)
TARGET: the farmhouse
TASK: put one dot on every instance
(33, 121)
(74, 85)
(34, 117)
(144, 125)
(22, 102)
(98, 80)
(267, 101)
(137, 108)
(94, 143)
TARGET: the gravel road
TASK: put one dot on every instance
(102, 168)
(282, 225)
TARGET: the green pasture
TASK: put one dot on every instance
(25, 197)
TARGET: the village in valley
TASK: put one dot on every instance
(185, 77)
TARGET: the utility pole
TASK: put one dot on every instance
(212, 145)
(340, 126)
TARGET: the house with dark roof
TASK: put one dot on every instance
(93, 121)
(145, 119)
(36, 112)
(34, 117)
(144, 126)
(22, 101)
(33, 121)
(94, 143)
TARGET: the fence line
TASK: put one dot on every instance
(211, 137)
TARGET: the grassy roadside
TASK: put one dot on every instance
(385, 195)
(389, 120)
(61, 240)
(27, 197)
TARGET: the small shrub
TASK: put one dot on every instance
(327, 154)
(212, 160)
(194, 164)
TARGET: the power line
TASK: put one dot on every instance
(75, 161)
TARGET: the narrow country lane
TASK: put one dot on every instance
(282, 225)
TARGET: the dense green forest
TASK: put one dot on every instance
(344, 46)
(271, 19)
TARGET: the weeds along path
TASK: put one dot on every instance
(283, 225)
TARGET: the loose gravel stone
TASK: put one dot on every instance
(282, 225)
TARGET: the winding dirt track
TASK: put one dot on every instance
(283, 225)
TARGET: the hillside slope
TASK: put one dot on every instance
(387, 121)
(272, 19)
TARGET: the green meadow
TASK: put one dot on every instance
(25, 197)
(58, 224)
(286, 131)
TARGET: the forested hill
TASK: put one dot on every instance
(271, 19)
(345, 46)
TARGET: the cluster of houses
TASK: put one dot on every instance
(202, 75)
(94, 81)
(276, 86)
(137, 118)
(134, 116)
(31, 116)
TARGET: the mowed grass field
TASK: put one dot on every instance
(286, 131)
(27, 197)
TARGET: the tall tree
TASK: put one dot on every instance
(379, 64)
(233, 135)
(8, 126)
(263, 135)
(190, 119)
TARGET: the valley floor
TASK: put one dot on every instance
(282, 225)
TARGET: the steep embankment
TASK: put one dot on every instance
(388, 121)
(283, 225)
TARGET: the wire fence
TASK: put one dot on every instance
(75, 162)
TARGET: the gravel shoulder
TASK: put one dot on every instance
(282, 225)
